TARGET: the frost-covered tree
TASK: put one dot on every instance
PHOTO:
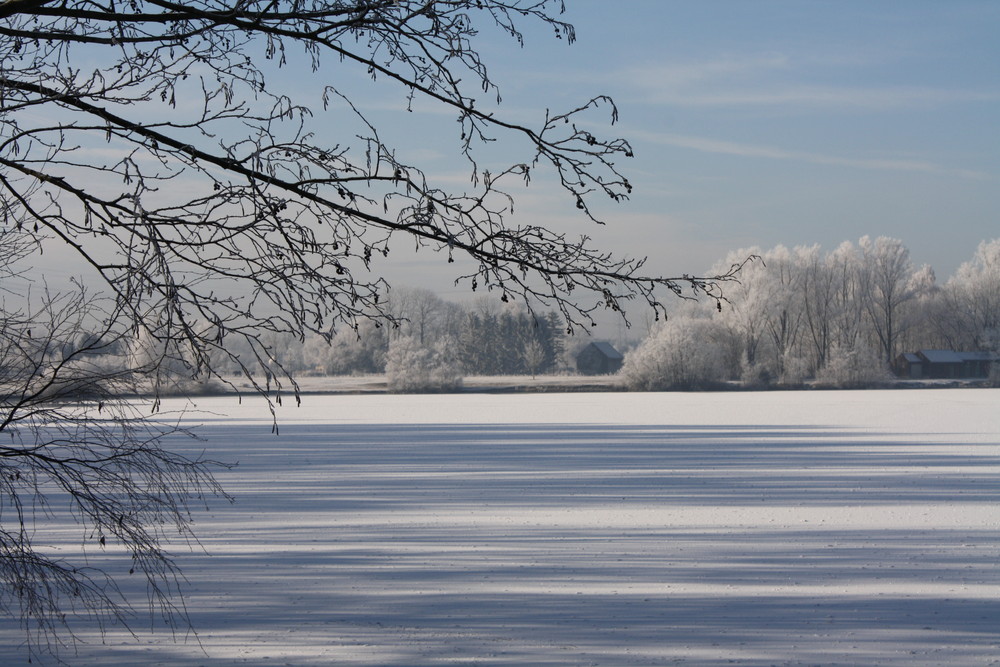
(973, 299)
(417, 312)
(919, 313)
(765, 312)
(792, 309)
(818, 305)
(745, 314)
(785, 311)
(533, 355)
(888, 288)
(845, 265)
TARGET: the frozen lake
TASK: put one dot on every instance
(798, 528)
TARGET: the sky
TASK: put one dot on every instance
(754, 124)
(765, 123)
(771, 122)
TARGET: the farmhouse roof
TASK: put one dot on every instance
(979, 356)
(952, 357)
(608, 350)
(942, 356)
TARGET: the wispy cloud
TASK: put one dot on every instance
(826, 97)
(778, 80)
(683, 74)
(722, 147)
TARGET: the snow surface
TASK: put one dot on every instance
(778, 528)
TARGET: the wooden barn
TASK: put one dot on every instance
(945, 365)
(599, 359)
(909, 366)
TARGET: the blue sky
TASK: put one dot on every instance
(771, 122)
(754, 123)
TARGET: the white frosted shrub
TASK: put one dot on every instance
(856, 366)
(682, 353)
(796, 370)
(758, 374)
(414, 368)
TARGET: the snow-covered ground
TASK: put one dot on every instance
(802, 528)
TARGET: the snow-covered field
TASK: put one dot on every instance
(827, 528)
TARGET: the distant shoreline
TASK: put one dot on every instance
(506, 384)
(376, 384)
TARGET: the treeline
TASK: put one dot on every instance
(801, 314)
(840, 317)
(434, 336)
(432, 346)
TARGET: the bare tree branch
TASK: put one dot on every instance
(151, 138)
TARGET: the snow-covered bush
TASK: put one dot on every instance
(760, 374)
(349, 352)
(856, 367)
(795, 370)
(414, 368)
(170, 368)
(682, 353)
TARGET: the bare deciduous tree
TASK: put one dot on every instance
(77, 449)
(149, 137)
